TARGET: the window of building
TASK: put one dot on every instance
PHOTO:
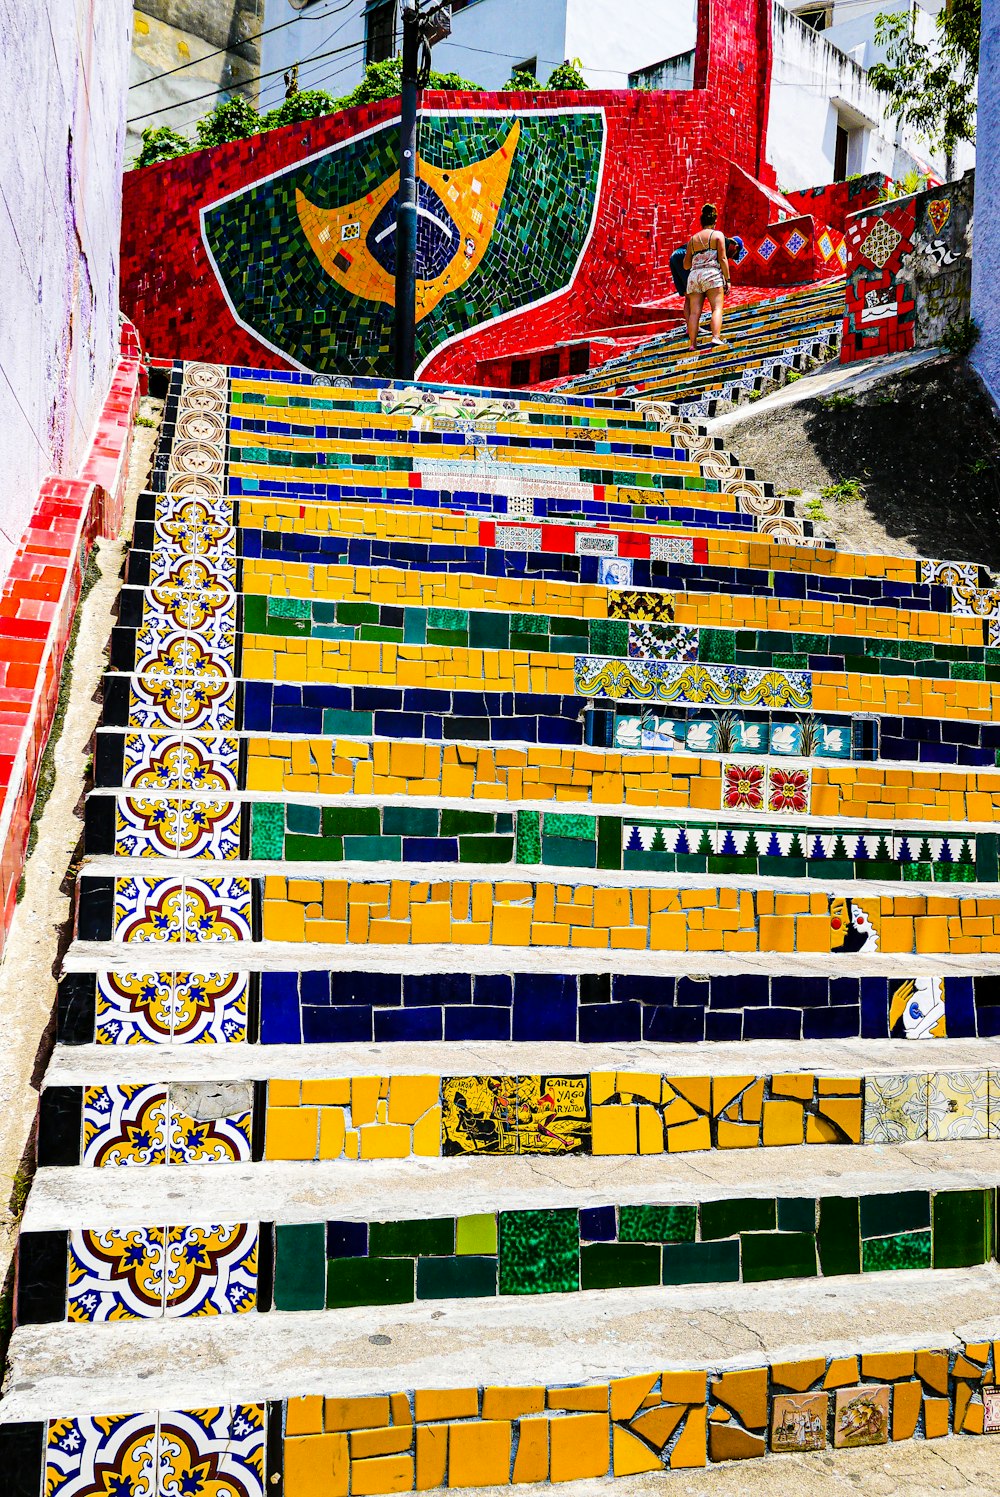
(529, 66)
(457, 5)
(380, 31)
(818, 18)
(549, 368)
(840, 154)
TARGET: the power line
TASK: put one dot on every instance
(214, 92)
(255, 38)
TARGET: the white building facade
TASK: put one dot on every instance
(826, 121)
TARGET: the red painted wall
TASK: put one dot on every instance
(666, 153)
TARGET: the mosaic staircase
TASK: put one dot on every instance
(767, 340)
(529, 1015)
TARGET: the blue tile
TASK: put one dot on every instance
(478, 1022)
(610, 1022)
(337, 1026)
(598, 1224)
(408, 1024)
(874, 1008)
(279, 1019)
(347, 1239)
(772, 1024)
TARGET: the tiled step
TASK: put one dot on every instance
(91, 1252)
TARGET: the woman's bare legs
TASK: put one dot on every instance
(695, 302)
(717, 301)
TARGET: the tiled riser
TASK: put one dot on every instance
(163, 826)
(337, 912)
(144, 1273)
(600, 1113)
(324, 1007)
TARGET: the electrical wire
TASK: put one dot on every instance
(243, 42)
(312, 58)
(214, 92)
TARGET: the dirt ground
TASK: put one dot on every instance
(924, 446)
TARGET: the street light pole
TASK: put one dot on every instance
(422, 26)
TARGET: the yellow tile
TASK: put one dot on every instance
(411, 1096)
(627, 1394)
(615, 1129)
(512, 1403)
(630, 1455)
(392, 1441)
(432, 1456)
(292, 1133)
(336, 1092)
(433, 1404)
(332, 1132)
(783, 1123)
(304, 1416)
(284, 1093)
(691, 1449)
(364, 1097)
(479, 1453)
(427, 1134)
(385, 1141)
(689, 1137)
(355, 1413)
(684, 1387)
(316, 1463)
(386, 1474)
(591, 1399)
(532, 1460)
(579, 1447)
(905, 1410)
(936, 1412)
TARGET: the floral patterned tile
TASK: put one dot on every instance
(957, 1105)
(895, 1109)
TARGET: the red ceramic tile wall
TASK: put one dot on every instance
(830, 204)
(879, 312)
(666, 154)
(38, 603)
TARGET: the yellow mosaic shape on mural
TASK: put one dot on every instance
(473, 196)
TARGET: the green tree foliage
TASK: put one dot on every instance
(521, 83)
(232, 119)
(567, 75)
(307, 105)
(236, 118)
(933, 89)
(160, 143)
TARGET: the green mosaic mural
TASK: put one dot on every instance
(307, 256)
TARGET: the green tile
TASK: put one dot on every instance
(304, 819)
(609, 637)
(486, 850)
(702, 1263)
(615, 1265)
(569, 852)
(337, 720)
(456, 1278)
(447, 618)
(267, 830)
(532, 623)
(351, 821)
(409, 821)
(412, 1239)
(778, 1255)
(839, 1235)
(454, 823)
(567, 824)
(529, 840)
(476, 1234)
(539, 1252)
(489, 631)
(897, 1211)
(727, 1218)
(288, 608)
(717, 646)
(369, 1281)
(903, 1250)
(373, 849)
(609, 842)
(357, 613)
(961, 1228)
(797, 1214)
(657, 1223)
(300, 1266)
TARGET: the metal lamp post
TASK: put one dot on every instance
(422, 27)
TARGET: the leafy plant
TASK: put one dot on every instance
(232, 119)
(521, 82)
(815, 511)
(384, 80)
(843, 490)
(567, 75)
(160, 143)
(143, 421)
(961, 335)
(932, 88)
(838, 402)
(307, 105)
(792, 493)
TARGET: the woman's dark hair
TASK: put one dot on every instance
(709, 215)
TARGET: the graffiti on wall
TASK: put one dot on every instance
(307, 257)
